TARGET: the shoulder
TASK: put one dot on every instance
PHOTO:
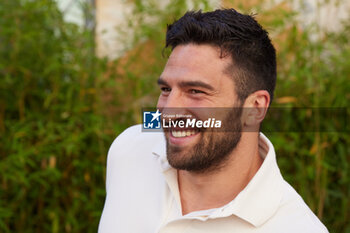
(134, 139)
(130, 134)
(133, 150)
(295, 213)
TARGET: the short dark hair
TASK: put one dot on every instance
(239, 35)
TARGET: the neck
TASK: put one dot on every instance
(200, 191)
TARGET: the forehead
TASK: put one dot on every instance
(197, 61)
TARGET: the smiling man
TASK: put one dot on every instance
(206, 180)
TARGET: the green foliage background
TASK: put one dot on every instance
(61, 107)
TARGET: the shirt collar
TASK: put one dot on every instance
(159, 151)
(260, 199)
(257, 202)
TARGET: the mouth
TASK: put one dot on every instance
(181, 133)
(183, 137)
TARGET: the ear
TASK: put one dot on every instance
(254, 109)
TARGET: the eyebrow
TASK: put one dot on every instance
(161, 81)
(188, 84)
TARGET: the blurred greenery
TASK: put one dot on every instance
(61, 107)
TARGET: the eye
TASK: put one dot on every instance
(165, 89)
(195, 91)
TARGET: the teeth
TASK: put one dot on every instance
(180, 134)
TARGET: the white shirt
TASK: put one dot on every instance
(143, 196)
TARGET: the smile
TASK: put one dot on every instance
(182, 133)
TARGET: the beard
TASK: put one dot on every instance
(213, 148)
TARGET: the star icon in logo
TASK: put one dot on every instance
(156, 115)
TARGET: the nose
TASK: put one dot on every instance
(172, 100)
(172, 104)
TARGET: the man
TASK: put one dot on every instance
(201, 180)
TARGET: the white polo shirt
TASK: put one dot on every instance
(143, 195)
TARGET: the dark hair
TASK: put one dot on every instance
(238, 35)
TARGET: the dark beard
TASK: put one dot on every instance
(214, 148)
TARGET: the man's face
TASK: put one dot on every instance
(194, 77)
